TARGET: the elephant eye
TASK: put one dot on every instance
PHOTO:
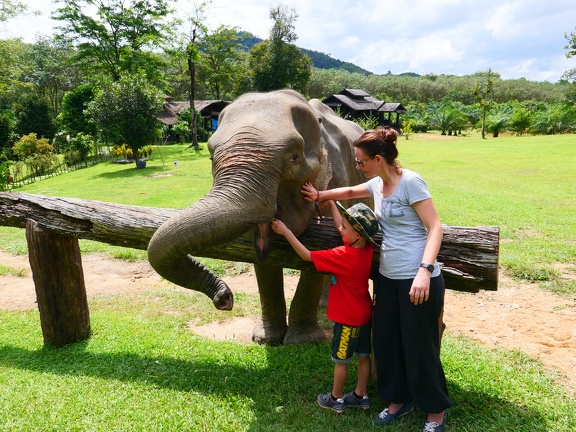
(294, 158)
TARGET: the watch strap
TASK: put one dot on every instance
(429, 267)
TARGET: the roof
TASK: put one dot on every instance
(392, 107)
(359, 100)
(354, 92)
(360, 104)
(206, 108)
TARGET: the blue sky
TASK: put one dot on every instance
(516, 38)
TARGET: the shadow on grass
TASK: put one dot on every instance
(130, 171)
(283, 393)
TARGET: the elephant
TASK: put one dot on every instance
(266, 146)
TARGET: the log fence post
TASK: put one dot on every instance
(56, 265)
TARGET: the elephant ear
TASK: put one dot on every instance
(338, 135)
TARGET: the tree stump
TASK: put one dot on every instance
(56, 265)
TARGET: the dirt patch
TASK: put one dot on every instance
(160, 175)
(517, 316)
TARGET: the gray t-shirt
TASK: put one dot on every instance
(403, 232)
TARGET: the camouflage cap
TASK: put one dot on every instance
(362, 219)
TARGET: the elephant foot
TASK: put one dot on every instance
(269, 334)
(310, 334)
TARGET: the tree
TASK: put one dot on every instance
(14, 63)
(187, 45)
(182, 127)
(10, 9)
(7, 127)
(221, 59)
(277, 63)
(570, 48)
(444, 117)
(417, 116)
(498, 119)
(520, 121)
(77, 148)
(125, 112)
(554, 118)
(483, 92)
(51, 71)
(33, 115)
(72, 119)
(113, 41)
(36, 153)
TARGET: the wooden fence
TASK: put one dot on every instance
(469, 255)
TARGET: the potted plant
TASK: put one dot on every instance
(140, 163)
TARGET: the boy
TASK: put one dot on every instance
(349, 301)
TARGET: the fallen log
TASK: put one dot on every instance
(469, 255)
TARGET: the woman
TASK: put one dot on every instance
(409, 292)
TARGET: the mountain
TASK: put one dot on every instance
(319, 60)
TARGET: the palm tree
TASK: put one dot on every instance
(497, 120)
(555, 118)
(445, 118)
(520, 121)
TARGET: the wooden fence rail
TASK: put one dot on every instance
(469, 255)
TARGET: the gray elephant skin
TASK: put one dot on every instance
(266, 147)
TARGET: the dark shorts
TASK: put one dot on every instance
(347, 340)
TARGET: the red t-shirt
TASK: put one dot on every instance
(349, 301)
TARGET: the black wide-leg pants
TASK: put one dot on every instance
(406, 339)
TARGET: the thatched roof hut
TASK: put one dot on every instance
(208, 109)
(356, 103)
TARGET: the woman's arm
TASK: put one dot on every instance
(311, 194)
(421, 286)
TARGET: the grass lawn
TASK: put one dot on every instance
(143, 370)
(524, 185)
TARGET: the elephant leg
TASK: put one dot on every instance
(303, 319)
(272, 327)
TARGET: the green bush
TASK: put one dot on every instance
(5, 177)
(72, 157)
(36, 153)
(79, 147)
(367, 122)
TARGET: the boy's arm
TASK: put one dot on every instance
(279, 228)
(336, 216)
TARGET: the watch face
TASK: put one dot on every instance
(428, 267)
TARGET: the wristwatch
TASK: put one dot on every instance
(428, 267)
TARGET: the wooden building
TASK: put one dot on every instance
(357, 104)
(209, 111)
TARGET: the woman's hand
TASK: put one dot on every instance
(420, 289)
(310, 193)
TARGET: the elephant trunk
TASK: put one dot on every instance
(214, 219)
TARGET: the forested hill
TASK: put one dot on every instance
(319, 60)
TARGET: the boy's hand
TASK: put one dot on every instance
(279, 228)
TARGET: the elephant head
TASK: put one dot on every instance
(266, 147)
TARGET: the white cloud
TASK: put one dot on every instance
(516, 38)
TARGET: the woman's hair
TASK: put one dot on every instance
(381, 141)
